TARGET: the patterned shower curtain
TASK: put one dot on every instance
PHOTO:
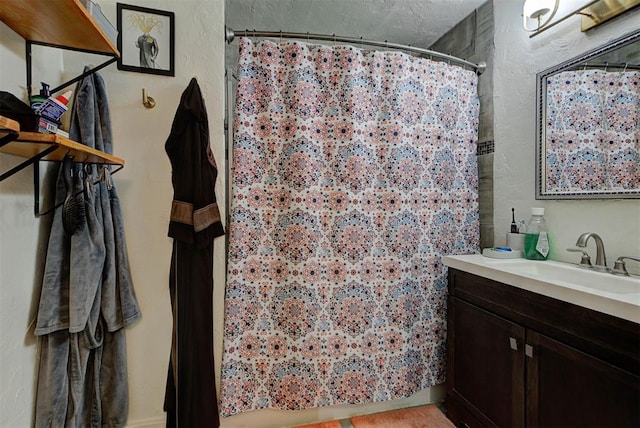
(593, 131)
(354, 172)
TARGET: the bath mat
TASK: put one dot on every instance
(330, 424)
(414, 417)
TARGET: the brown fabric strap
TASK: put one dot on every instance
(205, 217)
(182, 212)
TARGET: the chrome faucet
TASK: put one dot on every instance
(601, 258)
(585, 260)
(619, 267)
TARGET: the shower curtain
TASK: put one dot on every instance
(354, 172)
(593, 132)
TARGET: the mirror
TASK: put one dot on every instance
(588, 119)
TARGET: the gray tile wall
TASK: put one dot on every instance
(472, 39)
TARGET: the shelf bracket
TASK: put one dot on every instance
(85, 74)
(29, 43)
(11, 135)
(32, 160)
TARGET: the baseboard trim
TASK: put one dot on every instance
(157, 422)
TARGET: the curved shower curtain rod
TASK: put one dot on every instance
(231, 34)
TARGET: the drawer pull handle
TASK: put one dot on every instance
(513, 343)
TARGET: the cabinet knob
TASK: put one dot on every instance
(528, 351)
(513, 343)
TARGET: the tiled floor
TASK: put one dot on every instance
(428, 416)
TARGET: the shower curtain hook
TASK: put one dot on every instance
(280, 36)
(606, 65)
(626, 64)
(361, 43)
(334, 40)
(585, 67)
(307, 37)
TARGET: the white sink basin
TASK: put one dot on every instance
(615, 295)
(571, 274)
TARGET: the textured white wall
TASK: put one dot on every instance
(19, 247)
(518, 59)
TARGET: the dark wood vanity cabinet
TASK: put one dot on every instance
(517, 358)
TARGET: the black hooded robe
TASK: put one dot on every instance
(190, 398)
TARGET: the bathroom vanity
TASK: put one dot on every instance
(541, 344)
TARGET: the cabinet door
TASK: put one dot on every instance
(568, 388)
(486, 366)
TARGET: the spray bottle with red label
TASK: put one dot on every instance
(51, 110)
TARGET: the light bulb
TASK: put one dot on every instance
(535, 9)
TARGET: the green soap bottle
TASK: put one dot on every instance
(536, 239)
(37, 100)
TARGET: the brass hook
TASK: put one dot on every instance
(147, 101)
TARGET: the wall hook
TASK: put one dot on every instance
(147, 101)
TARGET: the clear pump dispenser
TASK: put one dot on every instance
(536, 240)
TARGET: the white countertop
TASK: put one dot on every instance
(603, 292)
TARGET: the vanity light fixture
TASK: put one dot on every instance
(536, 10)
(538, 15)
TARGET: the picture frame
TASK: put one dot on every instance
(146, 40)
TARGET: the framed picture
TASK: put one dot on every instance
(146, 40)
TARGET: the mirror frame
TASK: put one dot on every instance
(541, 120)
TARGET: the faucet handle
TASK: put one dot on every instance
(619, 267)
(585, 260)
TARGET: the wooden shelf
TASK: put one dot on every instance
(62, 23)
(30, 144)
(8, 126)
